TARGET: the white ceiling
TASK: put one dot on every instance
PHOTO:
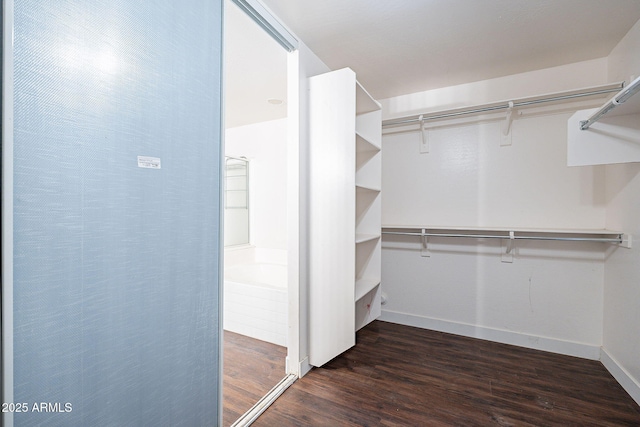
(400, 47)
(255, 68)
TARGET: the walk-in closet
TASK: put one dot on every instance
(304, 213)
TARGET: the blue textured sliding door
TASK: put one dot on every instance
(116, 218)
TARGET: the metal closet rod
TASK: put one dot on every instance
(619, 239)
(619, 98)
(501, 106)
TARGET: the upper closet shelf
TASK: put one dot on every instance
(622, 103)
(610, 134)
(507, 105)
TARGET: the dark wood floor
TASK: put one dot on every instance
(251, 369)
(402, 376)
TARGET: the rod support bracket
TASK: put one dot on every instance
(507, 244)
(424, 244)
(506, 126)
(424, 136)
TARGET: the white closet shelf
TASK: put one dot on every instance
(595, 231)
(360, 187)
(622, 103)
(363, 144)
(532, 101)
(363, 238)
(508, 236)
(364, 285)
(365, 102)
(632, 106)
(513, 233)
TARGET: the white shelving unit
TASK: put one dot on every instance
(345, 213)
(368, 217)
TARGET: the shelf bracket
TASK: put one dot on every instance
(625, 240)
(507, 245)
(424, 244)
(424, 141)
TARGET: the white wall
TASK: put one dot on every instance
(469, 179)
(265, 145)
(556, 79)
(551, 296)
(622, 271)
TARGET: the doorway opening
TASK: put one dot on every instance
(256, 306)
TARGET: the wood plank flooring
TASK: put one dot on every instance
(251, 368)
(403, 376)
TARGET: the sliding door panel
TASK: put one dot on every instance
(116, 212)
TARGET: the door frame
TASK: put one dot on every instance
(262, 16)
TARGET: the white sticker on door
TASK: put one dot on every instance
(149, 162)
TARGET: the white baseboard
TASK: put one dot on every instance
(304, 367)
(621, 375)
(568, 348)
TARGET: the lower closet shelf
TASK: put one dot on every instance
(365, 285)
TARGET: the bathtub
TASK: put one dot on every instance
(270, 275)
(255, 295)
